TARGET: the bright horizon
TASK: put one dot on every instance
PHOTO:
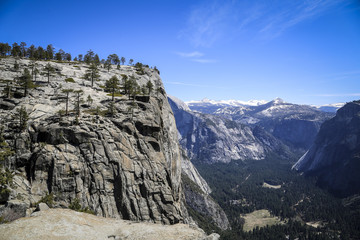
(305, 52)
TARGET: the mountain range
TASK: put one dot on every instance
(222, 131)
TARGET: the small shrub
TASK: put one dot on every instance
(69, 80)
(76, 206)
(48, 199)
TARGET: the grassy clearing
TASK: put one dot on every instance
(259, 218)
(315, 224)
(266, 185)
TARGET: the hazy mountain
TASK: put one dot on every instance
(330, 107)
(335, 155)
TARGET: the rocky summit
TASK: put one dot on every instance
(334, 157)
(116, 158)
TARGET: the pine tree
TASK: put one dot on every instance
(7, 88)
(97, 59)
(122, 60)
(68, 57)
(31, 52)
(23, 117)
(48, 71)
(92, 73)
(50, 52)
(107, 65)
(112, 85)
(59, 56)
(149, 86)
(89, 57)
(23, 49)
(4, 49)
(40, 53)
(134, 88)
(16, 50)
(78, 93)
(67, 92)
(111, 109)
(25, 81)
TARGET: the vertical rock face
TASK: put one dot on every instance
(335, 155)
(196, 189)
(126, 166)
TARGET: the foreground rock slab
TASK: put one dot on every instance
(58, 224)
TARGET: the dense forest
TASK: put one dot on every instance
(239, 188)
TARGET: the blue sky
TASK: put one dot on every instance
(302, 51)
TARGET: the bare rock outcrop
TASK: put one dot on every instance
(64, 224)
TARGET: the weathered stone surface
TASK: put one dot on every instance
(64, 224)
(42, 207)
(127, 166)
(6, 105)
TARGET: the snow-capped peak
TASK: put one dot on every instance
(278, 101)
(230, 102)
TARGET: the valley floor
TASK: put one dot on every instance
(267, 200)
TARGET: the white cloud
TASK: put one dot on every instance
(190, 54)
(195, 57)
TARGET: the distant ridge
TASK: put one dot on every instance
(332, 107)
(228, 102)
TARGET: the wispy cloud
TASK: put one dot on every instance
(215, 20)
(206, 23)
(278, 20)
(190, 54)
(195, 57)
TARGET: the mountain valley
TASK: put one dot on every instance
(135, 153)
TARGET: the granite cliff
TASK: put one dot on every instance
(116, 158)
(335, 155)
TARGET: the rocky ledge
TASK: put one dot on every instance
(65, 224)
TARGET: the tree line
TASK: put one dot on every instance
(40, 53)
